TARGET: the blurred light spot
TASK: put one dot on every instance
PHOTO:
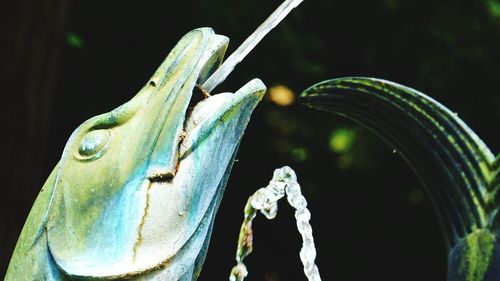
(344, 162)
(281, 122)
(341, 140)
(73, 40)
(416, 196)
(494, 8)
(272, 276)
(281, 95)
(391, 5)
(300, 154)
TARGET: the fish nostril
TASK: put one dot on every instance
(152, 83)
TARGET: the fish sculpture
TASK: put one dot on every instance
(459, 172)
(136, 190)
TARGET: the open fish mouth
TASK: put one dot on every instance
(206, 110)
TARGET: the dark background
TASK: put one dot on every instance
(64, 61)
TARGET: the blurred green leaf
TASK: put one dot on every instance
(74, 40)
(494, 8)
(341, 140)
(416, 196)
(300, 154)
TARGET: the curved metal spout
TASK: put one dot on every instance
(455, 166)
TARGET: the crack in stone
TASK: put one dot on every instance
(138, 242)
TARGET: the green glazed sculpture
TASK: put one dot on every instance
(136, 190)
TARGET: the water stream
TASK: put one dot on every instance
(244, 49)
(265, 200)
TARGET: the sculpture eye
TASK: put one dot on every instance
(94, 144)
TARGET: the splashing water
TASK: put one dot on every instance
(228, 66)
(265, 200)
